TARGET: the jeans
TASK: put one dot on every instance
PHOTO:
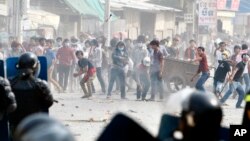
(200, 83)
(89, 90)
(63, 75)
(100, 79)
(145, 83)
(234, 86)
(218, 86)
(247, 82)
(156, 85)
(117, 72)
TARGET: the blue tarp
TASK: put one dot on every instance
(244, 6)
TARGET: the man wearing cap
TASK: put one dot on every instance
(235, 79)
(218, 53)
(221, 73)
(142, 78)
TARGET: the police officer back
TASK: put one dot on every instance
(32, 94)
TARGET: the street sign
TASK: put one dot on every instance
(188, 18)
(235, 5)
(221, 4)
(207, 12)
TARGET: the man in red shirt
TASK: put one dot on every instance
(66, 58)
(203, 68)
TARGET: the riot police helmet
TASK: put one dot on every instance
(28, 64)
(40, 127)
(200, 114)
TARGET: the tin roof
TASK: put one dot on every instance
(140, 5)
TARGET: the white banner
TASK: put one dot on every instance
(207, 12)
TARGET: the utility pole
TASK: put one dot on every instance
(17, 9)
(11, 17)
(107, 22)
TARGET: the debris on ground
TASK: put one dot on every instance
(132, 111)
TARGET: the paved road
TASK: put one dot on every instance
(87, 118)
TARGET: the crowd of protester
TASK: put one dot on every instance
(74, 63)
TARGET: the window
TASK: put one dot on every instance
(229, 2)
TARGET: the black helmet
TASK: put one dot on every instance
(201, 115)
(40, 127)
(28, 64)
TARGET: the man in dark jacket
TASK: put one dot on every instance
(120, 60)
(32, 94)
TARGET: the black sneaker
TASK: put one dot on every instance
(239, 107)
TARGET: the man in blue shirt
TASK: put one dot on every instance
(51, 60)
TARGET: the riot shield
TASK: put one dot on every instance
(1, 68)
(122, 128)
(4, 132)
(12, 71)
